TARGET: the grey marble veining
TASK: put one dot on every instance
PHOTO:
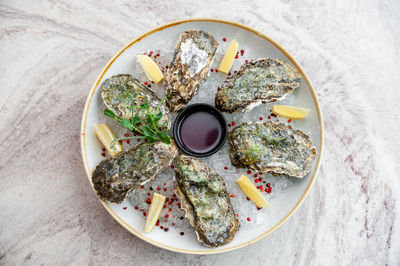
(51, 53)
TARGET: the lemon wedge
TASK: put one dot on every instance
(106, 137)
(251, 191)
(156, 206)
(229, 56)
(150, 68)
(291, 112)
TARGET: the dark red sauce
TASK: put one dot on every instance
(200, 132)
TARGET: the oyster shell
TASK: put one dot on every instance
(117, 92)
(258, 81)
(204, 197)
(192, 59)
(113, 178)
(270, 147)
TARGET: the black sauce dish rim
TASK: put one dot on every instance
(194, 108)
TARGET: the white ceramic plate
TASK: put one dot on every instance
(256, 45)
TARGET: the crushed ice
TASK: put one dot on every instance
(219, 161)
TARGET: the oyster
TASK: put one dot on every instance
(204, 197)
(120, 90)
(270, 147)
(113, 178)
(258, 81)
(192, 59)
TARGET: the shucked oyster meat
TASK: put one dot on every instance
(113, 178)
(258, 81)
(192, 59)
(117, 93)
(270, 147)
(204, 197)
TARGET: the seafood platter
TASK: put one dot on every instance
(202, 136)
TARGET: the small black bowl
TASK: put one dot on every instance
(189, 110)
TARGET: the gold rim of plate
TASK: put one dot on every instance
(160, 28)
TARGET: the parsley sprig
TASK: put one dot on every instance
(149, 130)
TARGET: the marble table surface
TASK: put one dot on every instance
(51, 53)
